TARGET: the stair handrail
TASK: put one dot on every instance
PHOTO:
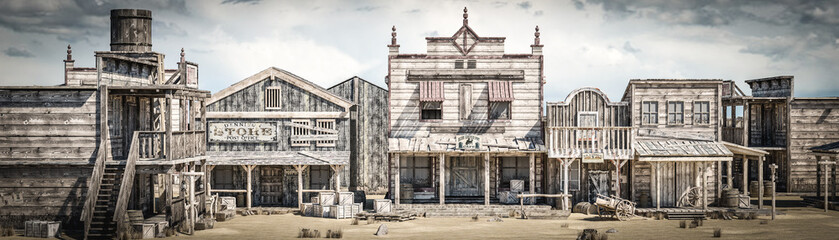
(93, 187)
(127, 182)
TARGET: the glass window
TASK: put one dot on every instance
(415, 170)
(701, 113)
(499, 110)
(515, 168)
(471, 64)
(573, 176)
(649, 113)
(675, 112)
(458, 64)
(431, 110)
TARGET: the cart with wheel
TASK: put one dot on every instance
(614, 207)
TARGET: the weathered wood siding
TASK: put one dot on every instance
(608, 115)
(283, 142)
(252, 99)
(665, 91)
(814, 122)
(368, 143)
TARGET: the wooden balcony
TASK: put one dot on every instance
(183, 144)
(733, 135)
(575, 142)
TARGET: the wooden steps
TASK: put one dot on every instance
(102, 225)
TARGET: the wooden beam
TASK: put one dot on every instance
(249, 169)
(486, 179)
(319, 115)
(336, 170)
(658, 186)
(532, 174)
(704, 186)
(300, 169)
(442, 185)
(397, 194)
(760, 182)
(729, 170)
(745, 175)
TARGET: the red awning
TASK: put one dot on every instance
(500, 91)
(431, 91)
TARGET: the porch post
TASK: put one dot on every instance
(729, 171)
(300, 169)
(745, 174)
(818, 177)
(760, 182)
(565, 164)
(248, 169)
(704, 185)
(336, 170)
(486, 178)
(719, 180)
(825, 188)
(532, 174)
(396, 191)
(442, 179)
(657, 186)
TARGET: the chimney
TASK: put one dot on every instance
(131, 30)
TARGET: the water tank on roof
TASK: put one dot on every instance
(131, 30)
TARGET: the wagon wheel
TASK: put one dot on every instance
(622, 211)
(691, 197)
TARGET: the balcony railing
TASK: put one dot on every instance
(574, 142)
(184, 144)
(733, 135)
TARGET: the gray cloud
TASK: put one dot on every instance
(524, 5)
(579, 5)
(538, 13)
(366, 8)
(18, 52)
(417, 10)
(72, 21)
(234, 2)
(628, 48)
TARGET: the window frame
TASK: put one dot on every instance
(471, 64)
(459, 64)
(325, 143)
(509, 111)
(682, 113)
(294, 132)
(409, 165)
(266, 98)
(653, 113)
(574, 176)
(515, 168)
(422, 108)
(698, 114)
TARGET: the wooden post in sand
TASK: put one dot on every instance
(773, 167)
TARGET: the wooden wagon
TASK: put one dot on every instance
(619, 208)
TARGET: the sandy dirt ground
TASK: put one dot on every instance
(795, 223)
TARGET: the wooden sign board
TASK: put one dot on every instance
(242, 132)
(468, 142)
(191, 75)
(315, 137)
(592, 158)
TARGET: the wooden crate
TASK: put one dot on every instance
(517, 186)
(382, 205)
(160, 229)
(326, 198)
(314, 200)
(41, 229)
(144, 230)
(328, 211)
(228, 203)
(346, 198)
(347, 211)
(744, 201)
(308, 209)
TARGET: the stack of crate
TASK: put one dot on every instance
(41, 229)
(330, 205)
(511, 197)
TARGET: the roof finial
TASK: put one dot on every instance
(393, 35)
(69, 53)
(536, 41)
(465, 17)
(182, 55)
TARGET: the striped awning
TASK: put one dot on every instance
(500, 91)
(431, 91)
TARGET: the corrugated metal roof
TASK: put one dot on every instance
(675, 148)
(449, 144)
(828, 148)
(431, 91)
(278, 157)
(500, 91)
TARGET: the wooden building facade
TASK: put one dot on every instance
(275, 133)
(465, 119)
(110, 139)
(368, 136)
(772, 119)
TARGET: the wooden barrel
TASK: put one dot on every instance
(730, 197)
(753, 189)
(644, 200)
(135, 216)
(581, 207)
(767, 188)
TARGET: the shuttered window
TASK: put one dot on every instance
(701, 113)
(299, 131)
(273, 98)
(649, 113)
(465, 101)
(326, 124)
(675, 112)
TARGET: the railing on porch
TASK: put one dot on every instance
(733, 135)
(127, 182)
(93, 189)
(184, 144)
(572, 142)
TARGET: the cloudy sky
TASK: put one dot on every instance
(587, 42)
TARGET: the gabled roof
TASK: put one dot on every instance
(360, 79)
(295, 80)
(666, 81)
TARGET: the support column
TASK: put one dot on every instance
(442, 183)
(719, 180)
(704, 185)
(397, 194)
(486, 179)
(760, 182)
(300, 169)
(773, 167)
(658, 186)
(825, 188)
(729, 171)
(248, 169)
(532, 175)
(818, 175)
(566, 200)
(618, 166)
(336, 174)
(745, 175)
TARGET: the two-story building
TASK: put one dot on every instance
(465, 119)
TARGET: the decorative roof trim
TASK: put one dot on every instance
(274, 73)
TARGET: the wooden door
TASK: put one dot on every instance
(270, 185)
(686, 178)
(464, 175)
(668, 184)
(599, 183)
(289, 186)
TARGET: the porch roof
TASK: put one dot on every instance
(278, 157)
(450, 144)
(830, 148)
(743, 150)
(680, 150)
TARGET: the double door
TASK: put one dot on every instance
(464, 177)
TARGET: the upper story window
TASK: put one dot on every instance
(675, 112)
(300, 131)
(701, 113)
(500, 99)
(327, 124)
(649, 113)
(458, 64)
(471, 64)
(431, 110)
(273, 98)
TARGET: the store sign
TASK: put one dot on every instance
(592, 158)
(468, 142)
(243, 132)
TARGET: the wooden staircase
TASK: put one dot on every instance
(102, 225)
